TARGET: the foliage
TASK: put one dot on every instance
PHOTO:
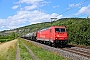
(13, 35)
(8, 38)
(78, 29)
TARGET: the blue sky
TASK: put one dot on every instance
(18, 13)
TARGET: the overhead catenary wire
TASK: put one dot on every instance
(79, 4)
(67, 5)
(64, 7)
(73, 7)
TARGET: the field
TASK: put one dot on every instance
(8, 50)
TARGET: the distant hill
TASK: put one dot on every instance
(78, 29)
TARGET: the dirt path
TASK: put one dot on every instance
(18, 52)
(31, 53)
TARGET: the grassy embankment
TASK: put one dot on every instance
(41, 53)
(24, 54)
(8, 50)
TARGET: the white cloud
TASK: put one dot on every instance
(43, 3)
(15, 7)
(27, 14)
(84, 10)
(32, 4)
(35, 22)
(76, 5)
(71, 5)
(39, 3)
(56, 6)
(29, 1)
(26, 17)
(30, 7)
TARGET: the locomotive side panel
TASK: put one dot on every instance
(55, 35)
(43, 35)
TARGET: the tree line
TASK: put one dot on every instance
(5, 38)
(78, 29)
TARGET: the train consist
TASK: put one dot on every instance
(54, 35)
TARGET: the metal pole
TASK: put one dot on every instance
(52, 20)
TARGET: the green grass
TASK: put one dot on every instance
(41, 53)
(24, 54)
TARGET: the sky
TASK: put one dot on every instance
(19, 13)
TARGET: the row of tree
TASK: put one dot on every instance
(4, 38)
(78, 29)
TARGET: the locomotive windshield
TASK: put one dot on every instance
(60, 30)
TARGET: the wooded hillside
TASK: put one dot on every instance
(78, 29)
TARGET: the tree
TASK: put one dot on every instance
(13, 35)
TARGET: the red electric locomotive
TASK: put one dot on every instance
(54, 35)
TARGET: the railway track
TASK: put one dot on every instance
(79, 51)
(73, 53)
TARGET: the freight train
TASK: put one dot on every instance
(54, 35)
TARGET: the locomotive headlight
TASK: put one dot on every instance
(56, 38)
(65, 38)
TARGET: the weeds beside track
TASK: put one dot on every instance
(69, 52)
(24, 54)
(40, 53)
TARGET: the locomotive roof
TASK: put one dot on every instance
(58, 26)
(53, 27)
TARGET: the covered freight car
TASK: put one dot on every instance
(31, 35)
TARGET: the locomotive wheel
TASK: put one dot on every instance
(55, 45)
(50, 43)
(46, 42)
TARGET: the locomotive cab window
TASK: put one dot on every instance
(60, 30)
